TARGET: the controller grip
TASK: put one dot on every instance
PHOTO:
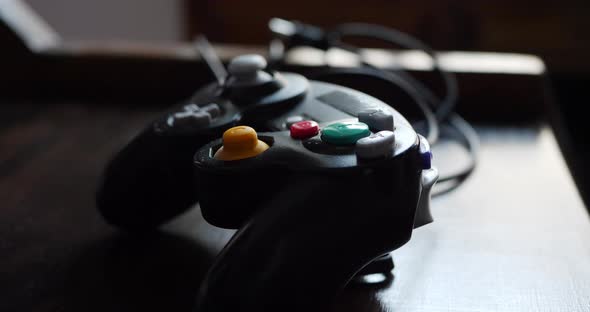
(149, 182)
(306, 243)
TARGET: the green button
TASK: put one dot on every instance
(345, 133)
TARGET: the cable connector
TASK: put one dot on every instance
(294, 33)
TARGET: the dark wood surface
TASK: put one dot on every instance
(515, 237)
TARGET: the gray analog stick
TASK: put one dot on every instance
(247, 70)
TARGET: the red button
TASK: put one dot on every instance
(304, 129)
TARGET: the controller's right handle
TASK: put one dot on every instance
(306, 243)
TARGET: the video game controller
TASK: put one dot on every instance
(334, 181)
(314, 205)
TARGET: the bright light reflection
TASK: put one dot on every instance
(454, 61)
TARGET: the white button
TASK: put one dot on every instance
(424, 145)
(376, 119)
(376, 145)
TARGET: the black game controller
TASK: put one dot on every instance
(335, 180)
(313, 207)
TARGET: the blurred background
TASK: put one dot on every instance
(555, 30)
(150, 20)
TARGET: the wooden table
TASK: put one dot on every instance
(515, 237)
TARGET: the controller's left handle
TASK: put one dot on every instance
(149, 181)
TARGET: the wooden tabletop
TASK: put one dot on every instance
(515, 237)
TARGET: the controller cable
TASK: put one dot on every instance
(438, 113)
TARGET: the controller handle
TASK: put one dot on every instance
(152, 179)
(153, 171)
(306, 243)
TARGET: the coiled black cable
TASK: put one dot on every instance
(438, 112)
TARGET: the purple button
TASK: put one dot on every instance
(426, 160)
